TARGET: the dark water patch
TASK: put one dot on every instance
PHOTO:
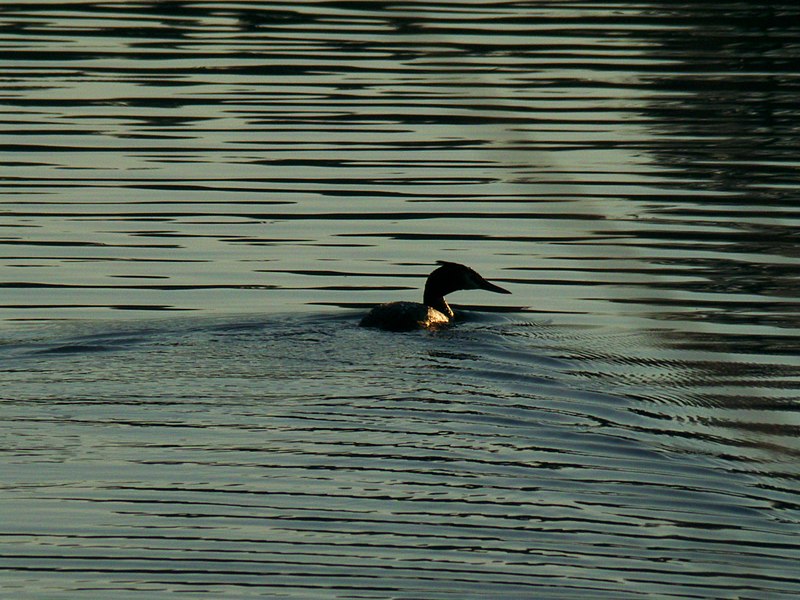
(75, 243)
(76, 348)
(91, 307)
(150, 286)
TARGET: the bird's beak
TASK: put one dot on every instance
(490, 287)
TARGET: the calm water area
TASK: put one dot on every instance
(200, 199)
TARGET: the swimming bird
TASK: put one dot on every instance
(434, 310)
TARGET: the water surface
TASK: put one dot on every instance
(200, 199)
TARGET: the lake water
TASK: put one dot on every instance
(200, 199)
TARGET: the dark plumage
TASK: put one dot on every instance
(434, 310)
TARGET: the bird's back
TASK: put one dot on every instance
(404, 316)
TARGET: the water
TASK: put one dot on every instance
(199, 201)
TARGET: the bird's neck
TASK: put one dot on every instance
(439, 303)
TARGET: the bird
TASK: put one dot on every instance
(433, 311)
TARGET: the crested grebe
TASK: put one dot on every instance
(434, 310)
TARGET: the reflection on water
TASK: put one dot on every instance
(624, 424)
